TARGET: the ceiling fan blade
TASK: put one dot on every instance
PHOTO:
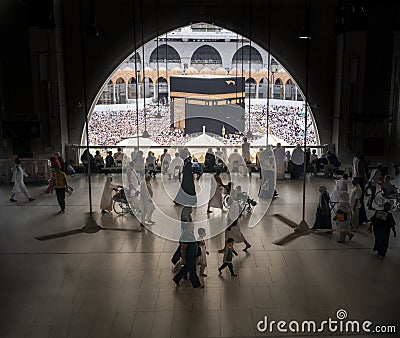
(324, 231)
(59, 234)
(122, 229)
(286, 220)
(285, 240)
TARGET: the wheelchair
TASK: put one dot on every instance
(246, 203)
(120, 203)
(394, 199)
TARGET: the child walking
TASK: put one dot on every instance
(228, 256)
(202, 259)
(60, 183)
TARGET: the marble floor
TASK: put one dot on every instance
(118, 283)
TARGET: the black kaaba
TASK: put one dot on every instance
(216, 102)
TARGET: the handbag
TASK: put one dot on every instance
(69, 190)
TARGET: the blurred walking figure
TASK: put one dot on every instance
(165, 160)
(54, 163)
(175, 167)
(187, 193)
(323, 214)
(189, 252)
(216, 191)
(229, 251)
(146, 199)
(60, 183)
(18, 179)
(202, 259)
(376, 177)
(382, 222)
(342, 217)
(355, 203)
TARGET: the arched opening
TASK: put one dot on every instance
(120, 91)
(278, 90)
(250, 88)
(263, 88)
(246, 55)
(135, 58)
(206, 55)
(290, 90)
(165, 53)
(147, 87)
(161, 90)
(132, 87)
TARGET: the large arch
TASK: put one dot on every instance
(135, 58)
(206, 54)
(156, 86)
(165, 53)
(247, 54)
(116, 45)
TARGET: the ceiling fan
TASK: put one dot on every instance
(301, 229)
(91, 227)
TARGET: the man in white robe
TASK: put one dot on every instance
(175, 164)
(165, 161)
(236, 163)
(18, 179)
(131, 181)
(146, 200)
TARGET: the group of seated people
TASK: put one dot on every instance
(327, 163)
(172, 167)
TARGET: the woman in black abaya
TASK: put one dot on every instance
(187, 194)
(382, 222)
(323, 215)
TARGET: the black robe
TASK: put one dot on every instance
(323, 216)
(382, 222)
(187, 193)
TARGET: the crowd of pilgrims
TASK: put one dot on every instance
(109, 127)
(347, 202)
(345, 205)
(191, 251)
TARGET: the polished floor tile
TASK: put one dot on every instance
(117, 283)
